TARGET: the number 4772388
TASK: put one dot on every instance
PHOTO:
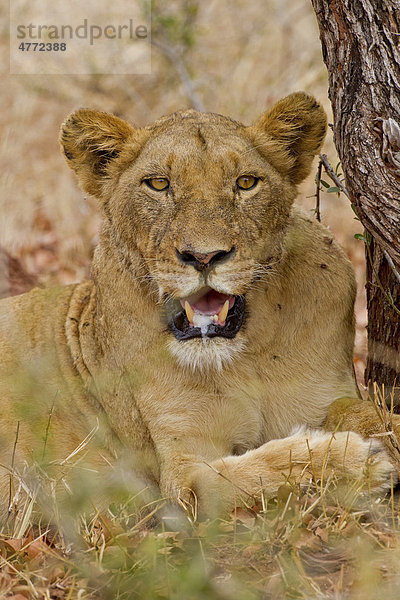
(42, 47)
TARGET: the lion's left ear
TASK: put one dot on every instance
(293, 131)
(91, 140)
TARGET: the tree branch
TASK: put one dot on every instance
(182, 72)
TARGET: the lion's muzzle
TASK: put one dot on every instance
(208, 314)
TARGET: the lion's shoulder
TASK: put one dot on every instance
(311, 247)
(316, 278)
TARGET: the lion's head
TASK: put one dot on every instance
(203, 201)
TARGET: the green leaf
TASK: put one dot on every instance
(333, 190)
(365, 237)
(360, 236)
(325, 184)
(353, 208)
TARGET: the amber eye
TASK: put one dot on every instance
(157, 183)
(246, 182)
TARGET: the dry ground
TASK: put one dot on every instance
(240, 58)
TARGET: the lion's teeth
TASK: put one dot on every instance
(189, 312)
(223, 312)
(200, 319)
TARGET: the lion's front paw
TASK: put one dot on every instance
(380, 472)
(348, 454)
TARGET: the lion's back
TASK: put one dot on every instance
(33, 353)
(29, 323)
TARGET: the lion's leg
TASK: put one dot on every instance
(222, 484)
(361, 416)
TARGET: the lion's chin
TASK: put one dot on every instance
(206, 354)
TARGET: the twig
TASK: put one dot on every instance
(182, 72)
(329, 170)
(190, 509)
(12, 468)
(392, 265)
(46, 435)
(392, 500)
(331, 173)
(318, 192)
(385, 416)
(230, 481)
(80, 446)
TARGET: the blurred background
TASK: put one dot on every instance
(236, 58)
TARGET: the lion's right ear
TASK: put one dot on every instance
(91, 141)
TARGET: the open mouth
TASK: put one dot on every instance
(208, 314)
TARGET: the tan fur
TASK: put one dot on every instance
(202, 418)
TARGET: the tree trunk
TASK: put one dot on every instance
(361, 49)
(383, 322)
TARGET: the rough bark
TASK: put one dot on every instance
(361, 49)
(383, 364)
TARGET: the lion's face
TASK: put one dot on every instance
(203, 201)
(213, 226)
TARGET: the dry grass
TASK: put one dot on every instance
(330, 540)
(240, 57)
(322, 539)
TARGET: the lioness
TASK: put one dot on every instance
(219, 318)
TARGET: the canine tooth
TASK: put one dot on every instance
(223, 312)
(189, 312)
(215, 318)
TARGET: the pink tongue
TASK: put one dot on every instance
(212, 302)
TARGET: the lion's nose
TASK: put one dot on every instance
(201, 261)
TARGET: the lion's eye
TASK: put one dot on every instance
(246, 182)
(157, 183)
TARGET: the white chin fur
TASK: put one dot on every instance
(206, 354)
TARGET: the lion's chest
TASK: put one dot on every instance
(198, 419)
(212, 419)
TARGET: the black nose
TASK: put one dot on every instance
(202, 261)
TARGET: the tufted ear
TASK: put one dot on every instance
(293, 132)
(91, 140)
